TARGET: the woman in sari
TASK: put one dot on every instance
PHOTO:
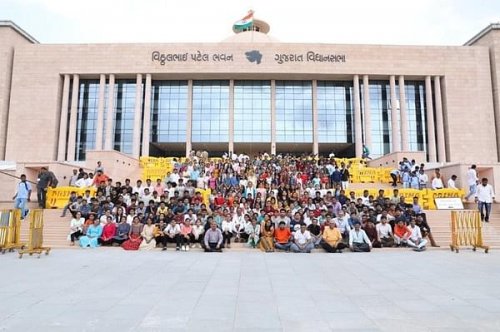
(94, 231)
(108, 232)
(266, 242)
(134, 236)
(148, 235)
(122, 231)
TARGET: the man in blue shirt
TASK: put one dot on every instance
(22, 196)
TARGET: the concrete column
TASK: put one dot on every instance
(73, 118)
(63, 127)
(146, 127)
(189, 119)
(367, 116)
(315, 116)
(431, 137)
(358, 135)
(136, 140)
(403, 113)
(395, 137)
(231, 116)
(110, 111)
(441, 150)
(273, 117)
(100, 113)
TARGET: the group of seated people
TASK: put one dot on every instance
(290, 209)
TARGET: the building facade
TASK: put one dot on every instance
(246, 94)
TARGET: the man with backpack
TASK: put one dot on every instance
(46, 179)
(22, 196)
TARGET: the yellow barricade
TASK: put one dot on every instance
(35, 241)
(466, 230)
(384, 175)
(10, 230)
(368, 174)
(429, 202)
(58, 197)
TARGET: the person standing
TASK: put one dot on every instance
(484, 196)
(472, 182)
(22, 196)
(44, 181)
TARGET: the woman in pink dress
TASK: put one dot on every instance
(134, 237)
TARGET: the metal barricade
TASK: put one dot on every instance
(10, 230)
(466, 230)
(35, 241)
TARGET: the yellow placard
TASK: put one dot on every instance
(58, 197)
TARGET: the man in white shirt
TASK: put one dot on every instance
(173, 231)
(452, 183)
(342, 223)
(423, 179)
(472, 181)
(415, 240)
(358, 240)
(384, 233)
(138, 189)
(484, 197)
(302, 241)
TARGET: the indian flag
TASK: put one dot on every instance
(245, 23)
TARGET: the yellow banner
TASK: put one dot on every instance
(58, 197)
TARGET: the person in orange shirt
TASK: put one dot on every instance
(401, 233)
(99, 178)
(332, 239)
(282, 237)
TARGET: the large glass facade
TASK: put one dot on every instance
(416, 110)
(380, 96)
(335, 112)
(252, 111)
(294, 120)
(210, 111)
(124, 115)
(88, 103)
(169, 107)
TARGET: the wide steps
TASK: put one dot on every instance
(56, 229)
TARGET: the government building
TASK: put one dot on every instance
(249, 93)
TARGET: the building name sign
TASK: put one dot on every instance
(253, 56)
(198, 56)
(309, 57)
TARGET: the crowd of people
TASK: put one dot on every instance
(287, 203)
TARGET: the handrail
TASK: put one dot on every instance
(17, 177)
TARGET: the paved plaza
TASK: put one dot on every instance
(113, 290)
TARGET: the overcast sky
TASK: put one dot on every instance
(422, 22)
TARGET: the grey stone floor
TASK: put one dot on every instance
(114, 290)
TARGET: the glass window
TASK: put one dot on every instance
(124, 115)
(335, 112)
(294, 120)
(252, 111)
(211, 111)
(88, 100)
(169, 100)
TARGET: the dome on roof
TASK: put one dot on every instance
(257, 33)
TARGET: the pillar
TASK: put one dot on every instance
(136, 138)
(189, 119)
(273, 117)
(63, 127)
(431, 137)
(146, 127)
(358, 135)
(395, 137)
(367, 111)
(73, 115)
(231, 117)
(403, 114)
(315, 116)
(108, 138)
(100, 113)
(441, 150)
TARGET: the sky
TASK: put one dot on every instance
(395, 22)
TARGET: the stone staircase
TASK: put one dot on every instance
(56, 229)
